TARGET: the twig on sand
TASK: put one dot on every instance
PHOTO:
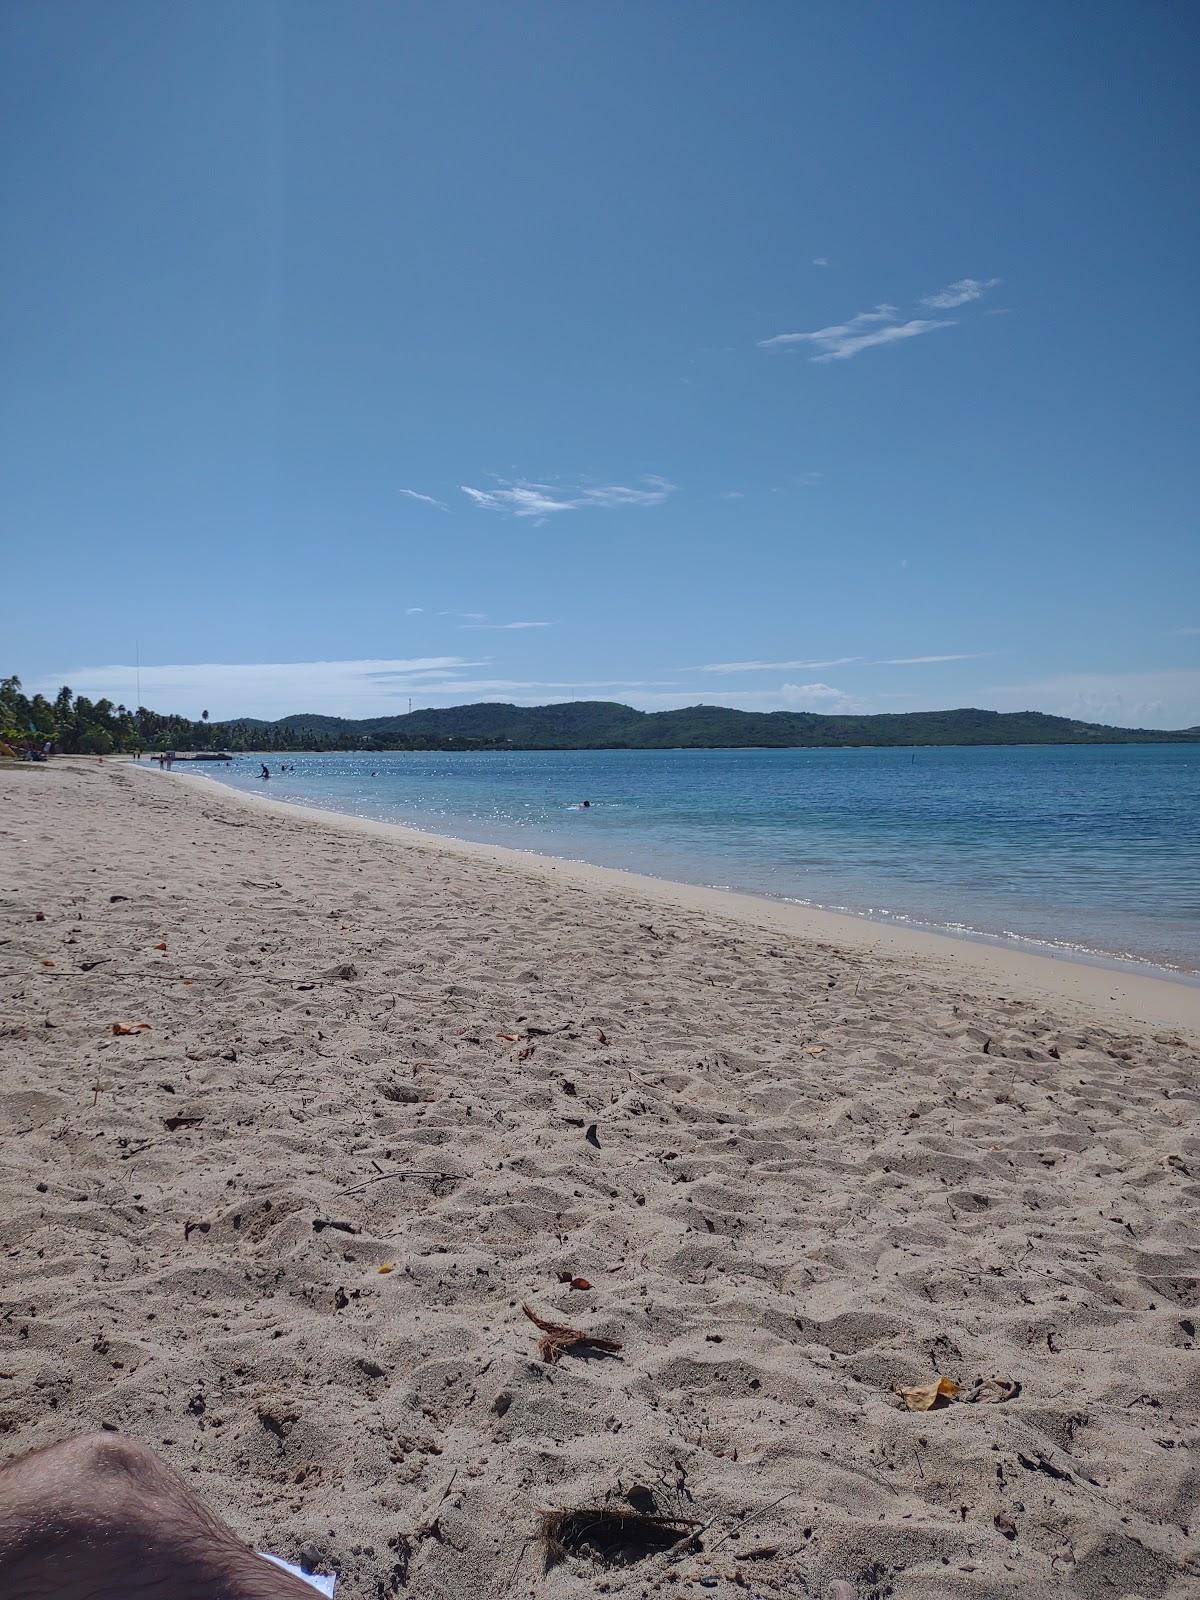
(512, 1577)
(688, 1543)
(401, 1172)
(754, 1516)
(432, 1528)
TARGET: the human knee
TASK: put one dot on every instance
(97, 1477)
(100, 1460)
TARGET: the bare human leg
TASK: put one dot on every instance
(102, 1518)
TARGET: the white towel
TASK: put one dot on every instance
(322, 1582)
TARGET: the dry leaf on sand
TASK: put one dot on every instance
(557, 1338)
(924, 1396)
(131, 1027)
(387, 1266)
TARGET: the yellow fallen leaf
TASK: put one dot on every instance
(812, 1049)
(924, 1396)
(131, 1027)
(388, 1266)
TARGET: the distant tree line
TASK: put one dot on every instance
(74, 725)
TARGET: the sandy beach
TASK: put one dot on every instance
(390, 1090)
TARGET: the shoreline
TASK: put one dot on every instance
(299, 1111)
(1115, 992)
(1014, 943)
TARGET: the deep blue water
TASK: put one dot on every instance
(1082, 851)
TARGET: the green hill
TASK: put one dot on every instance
(604, 724)
(72, 723)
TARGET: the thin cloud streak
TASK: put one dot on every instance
(960, 293)
(425, 499)
(524, 498)
(922, 661)
(501, 627)
(776, 666)
(867, 330)
(265, 689)
(469, 686)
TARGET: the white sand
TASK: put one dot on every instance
(829, 1158)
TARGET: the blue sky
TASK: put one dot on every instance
(828, 356)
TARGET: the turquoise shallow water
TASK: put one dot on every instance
(1086, 852)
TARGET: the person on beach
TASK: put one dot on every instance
(102, 1518)
(266, 771)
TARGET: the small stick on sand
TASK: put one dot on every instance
(403, 1172)
(688, 1543)
(755, 1517)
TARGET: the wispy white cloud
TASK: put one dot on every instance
(868, 329)
(411, 611)
(922, 661)
(820, 261)
(881, 313)
(467, 616)
(425, 499)
(504, 627)
(776, 666)
(1166, 699)
(461, 687)
(960, 293)
(263, 688)
(732, 494)
(523, 498)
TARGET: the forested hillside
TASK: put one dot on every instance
(73, 724)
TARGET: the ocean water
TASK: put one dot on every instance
(1088, 852)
